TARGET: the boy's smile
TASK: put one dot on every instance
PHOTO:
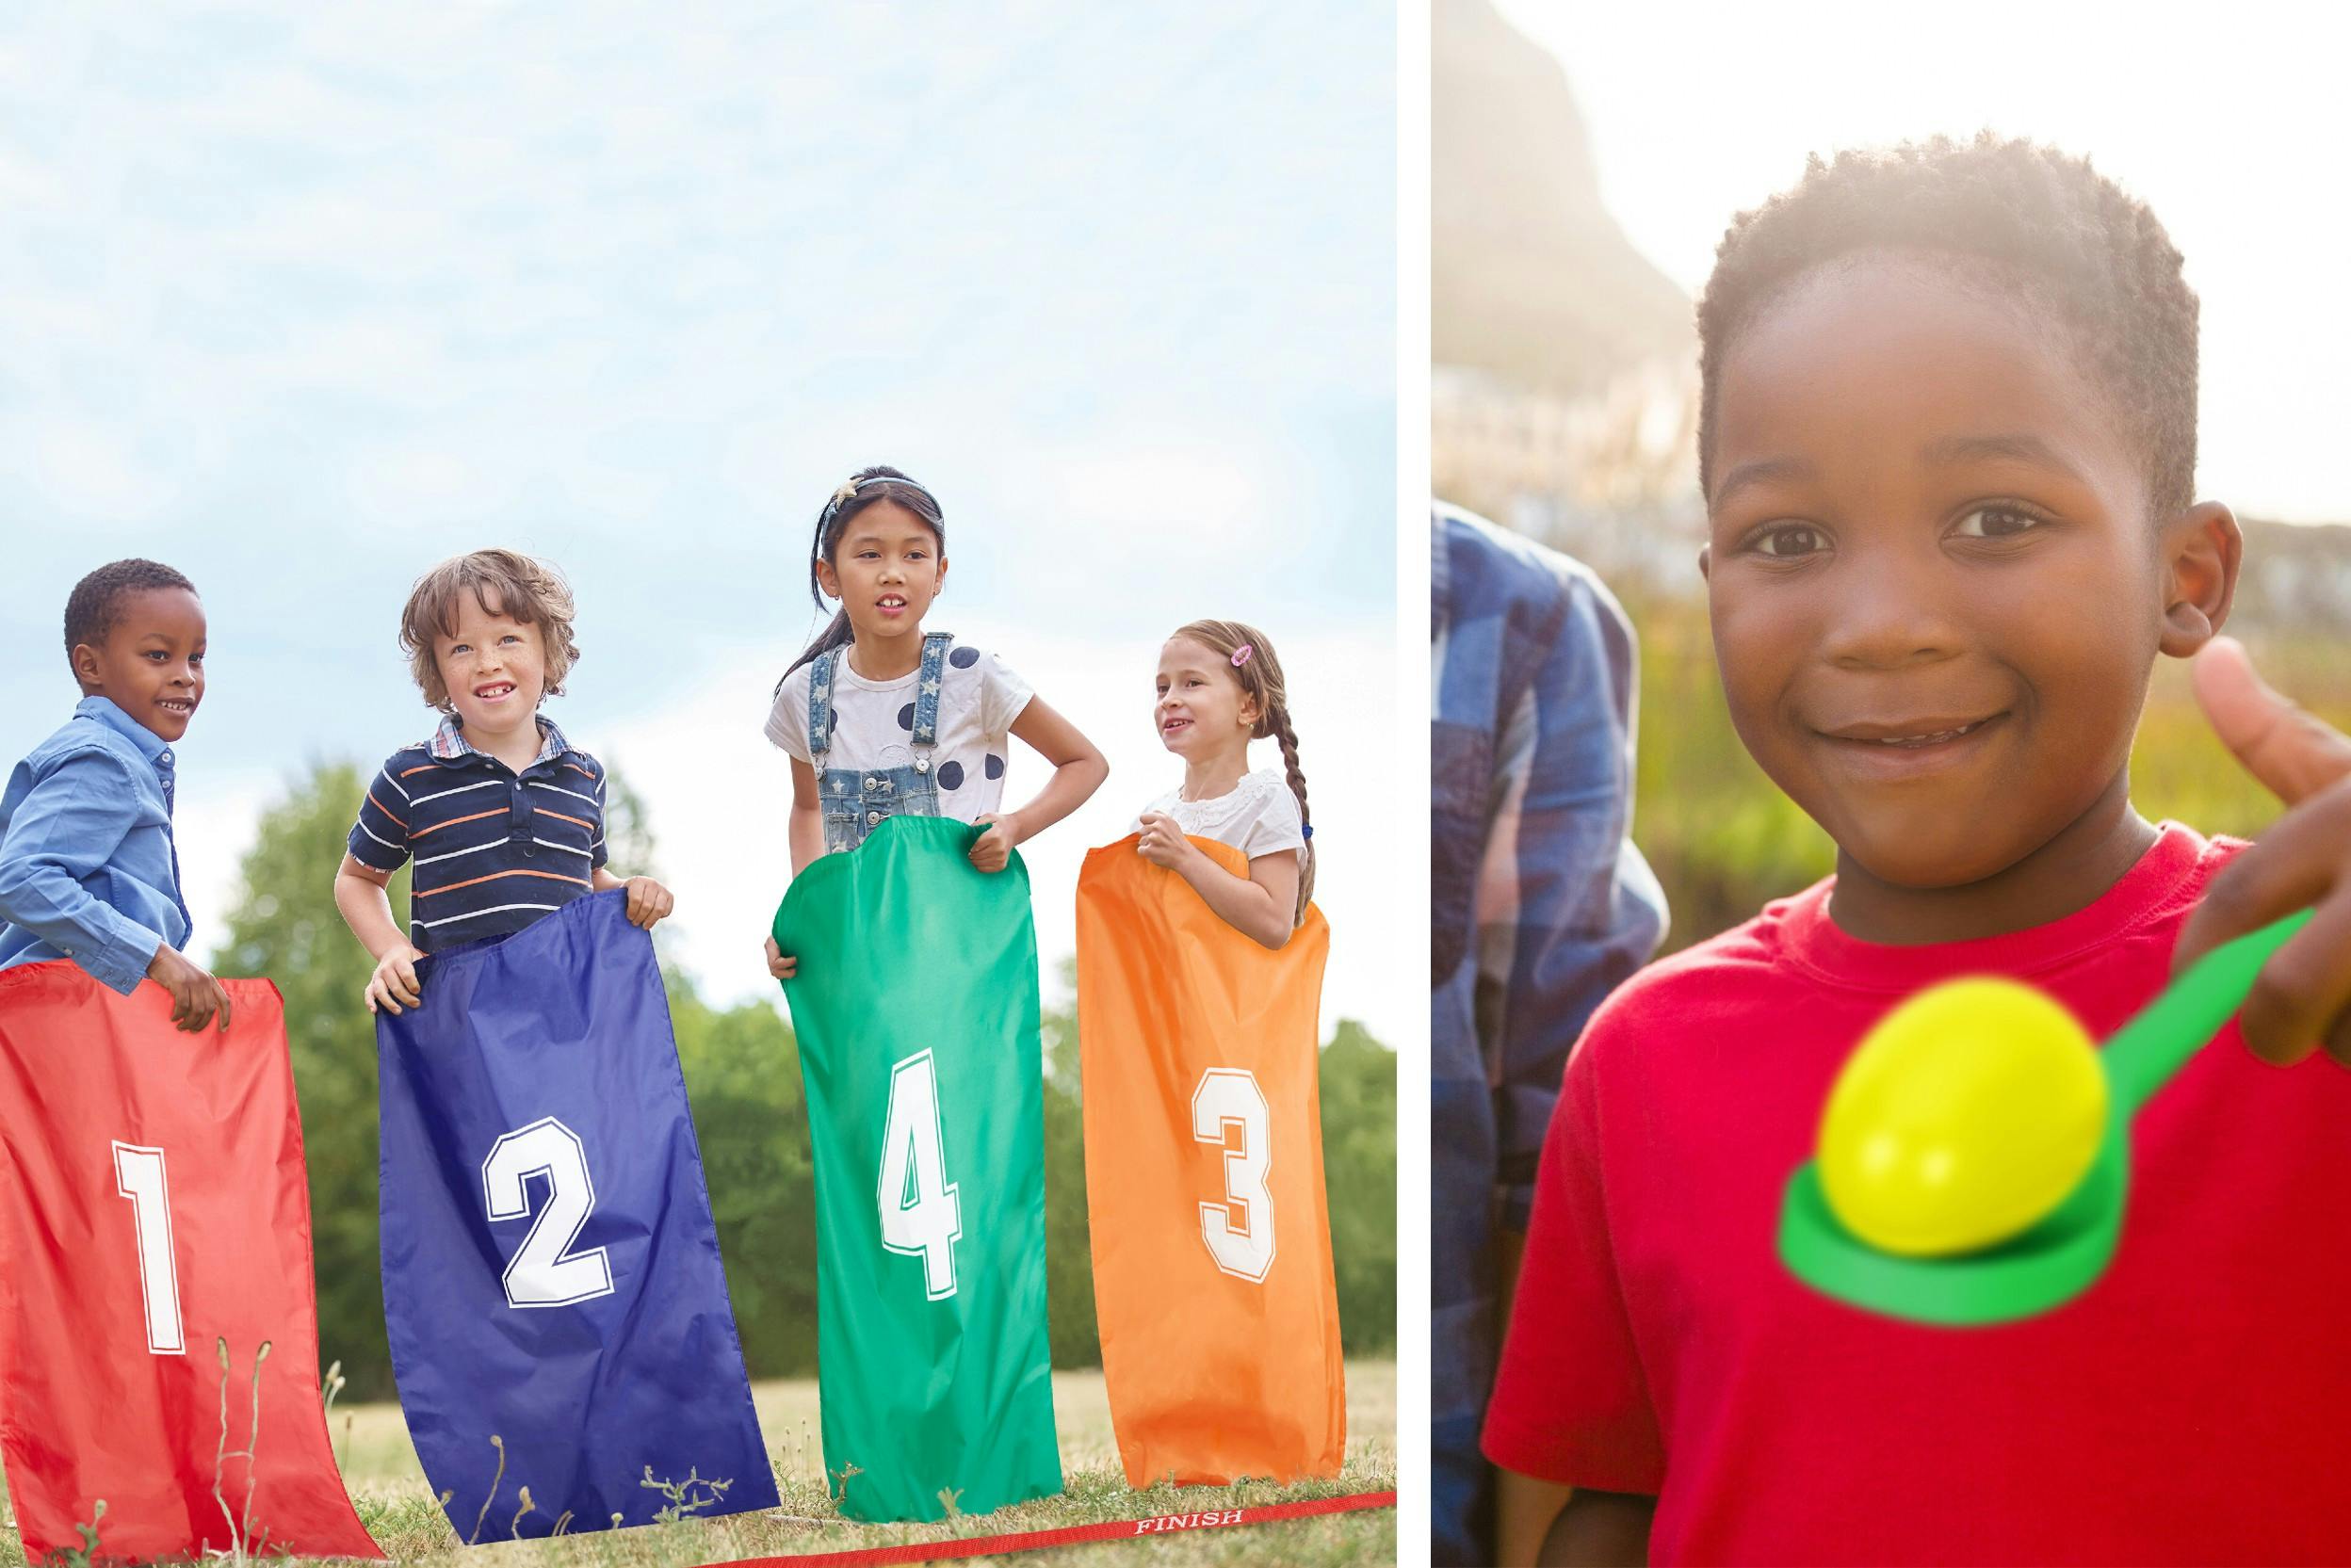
(152, 665)
(1935, 586)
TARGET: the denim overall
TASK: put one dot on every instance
(856, 800)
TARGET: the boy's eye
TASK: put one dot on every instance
(457, 648)
(1787, 540)
(1997, 521)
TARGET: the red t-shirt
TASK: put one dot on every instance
(2192, 1406)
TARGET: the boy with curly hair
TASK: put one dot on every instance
(1947, 446)
(503, 815)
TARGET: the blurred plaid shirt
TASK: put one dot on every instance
(1539, 906)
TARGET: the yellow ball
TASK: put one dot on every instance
(1969, 1114)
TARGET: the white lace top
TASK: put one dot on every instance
(1257, 816)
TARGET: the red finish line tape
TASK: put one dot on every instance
(1113, 1530)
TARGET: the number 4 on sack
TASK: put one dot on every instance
(920, 1212)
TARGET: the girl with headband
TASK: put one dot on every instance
(1220, 687)
(881, 716)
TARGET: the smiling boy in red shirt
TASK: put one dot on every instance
(1947, 443)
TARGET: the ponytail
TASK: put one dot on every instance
(864, 488)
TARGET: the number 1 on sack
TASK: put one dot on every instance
(138, 1176)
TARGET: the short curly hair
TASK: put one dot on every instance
(2035, 225)
(503, 582)
(94, 608)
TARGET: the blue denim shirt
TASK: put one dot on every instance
(1539, 906)
(88, 867)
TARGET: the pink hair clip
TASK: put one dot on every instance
(1241, 654)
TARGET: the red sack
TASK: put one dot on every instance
(153, 1203)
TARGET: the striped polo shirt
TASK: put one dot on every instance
(493, 851)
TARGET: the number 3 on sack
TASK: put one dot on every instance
(921, 1216)
(1240, 1231)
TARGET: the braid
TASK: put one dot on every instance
(1277, 717)
(1260, 677)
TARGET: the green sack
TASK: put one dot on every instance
(916, 1004)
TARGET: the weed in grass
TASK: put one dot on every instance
(496, 1482)
(514, 1530)
(66, 1557)
(682, 1500)
(242, 1543)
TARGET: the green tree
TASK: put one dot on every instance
(1359, 1084)
(742, 1074)
(284, 926)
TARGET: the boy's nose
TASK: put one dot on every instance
(1893, 612)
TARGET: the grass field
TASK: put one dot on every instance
(398, 1509)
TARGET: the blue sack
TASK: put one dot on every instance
(551, 1275)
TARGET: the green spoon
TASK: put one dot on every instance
(2063, 1253)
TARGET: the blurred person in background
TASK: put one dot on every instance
(1539, 906)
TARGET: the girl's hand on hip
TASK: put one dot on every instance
(993, 850)
(2302, 996)
(648, 901)
(1162, 842)
(781, 965)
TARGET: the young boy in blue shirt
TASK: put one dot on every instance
(88, 870)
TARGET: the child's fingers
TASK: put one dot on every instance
(226, 1006)
(2290, 867)
(2302, 994)
(2290, 749)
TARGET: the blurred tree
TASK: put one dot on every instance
(742, 1074)
(1068, 1240)
(1358, 1083)
(284, 925)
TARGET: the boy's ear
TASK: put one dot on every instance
(85, 659)
(2202, 550)
(1705, 561)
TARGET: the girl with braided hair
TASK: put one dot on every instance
(1220, 686)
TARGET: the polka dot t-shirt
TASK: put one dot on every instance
(873, 724)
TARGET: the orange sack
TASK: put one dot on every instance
(1212, 1276)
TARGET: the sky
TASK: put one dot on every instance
(303, 299)
(2232, 125)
